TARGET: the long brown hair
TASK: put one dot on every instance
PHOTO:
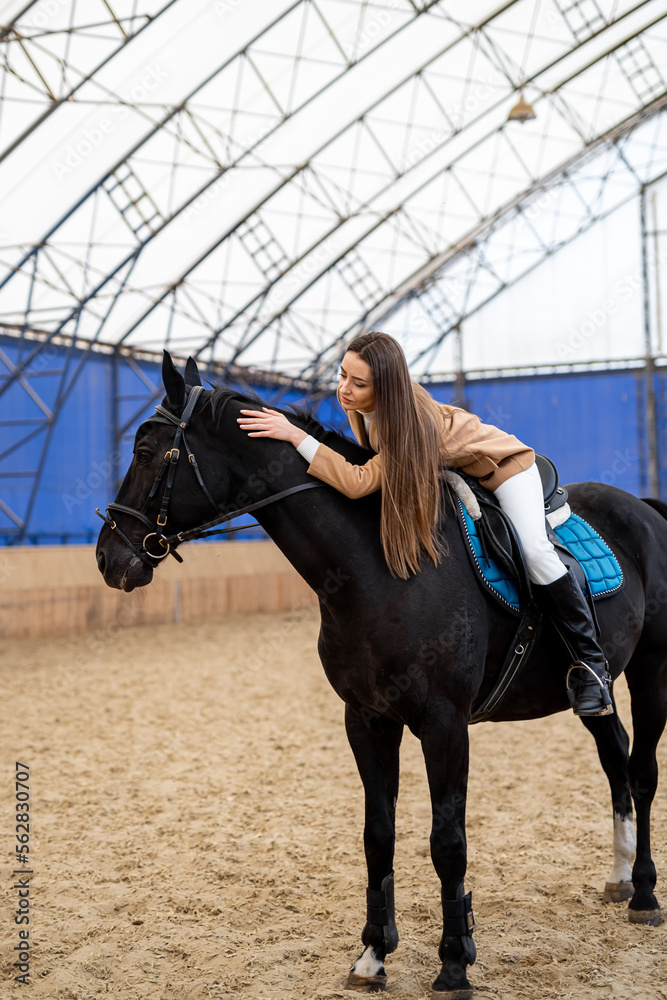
(409, 427)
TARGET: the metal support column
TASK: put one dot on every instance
(114, 422)
(459, 396)
(649, 366)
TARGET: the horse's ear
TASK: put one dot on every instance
(192, 373)
(174, 382)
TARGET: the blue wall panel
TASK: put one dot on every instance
(587, 423)
(590, 424)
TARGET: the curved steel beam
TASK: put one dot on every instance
(24, 42)
(306, 155)
(399, 204)
(76, 314)
(149, 239)
(424, 279)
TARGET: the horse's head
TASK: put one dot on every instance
(163, 491)
(193, 464)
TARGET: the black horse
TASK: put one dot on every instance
(418, 652)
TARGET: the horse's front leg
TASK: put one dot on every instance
(375, 742)
(444, 738)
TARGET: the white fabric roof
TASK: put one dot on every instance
(251, 182)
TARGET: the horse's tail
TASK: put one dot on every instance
(658, 505)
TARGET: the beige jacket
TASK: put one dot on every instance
(481, 450)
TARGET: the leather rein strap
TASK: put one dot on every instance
(203, 532)
(169, 464)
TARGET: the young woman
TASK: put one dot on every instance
(413, 437)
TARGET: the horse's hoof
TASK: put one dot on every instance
(650, 918)
(452, 994)
(454, 982)
(369, 984)
(617, 892)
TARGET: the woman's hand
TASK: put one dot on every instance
(270, 424)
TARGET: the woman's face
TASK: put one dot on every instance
(355, 388)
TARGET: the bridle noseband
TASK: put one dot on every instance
(169, 463)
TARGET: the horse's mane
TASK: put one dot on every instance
(222, 395)
(301, 415)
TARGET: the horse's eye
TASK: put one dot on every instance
(144, 456)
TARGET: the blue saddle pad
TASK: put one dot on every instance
(602, 568)
(598, 562)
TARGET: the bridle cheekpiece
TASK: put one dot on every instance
(169, 463)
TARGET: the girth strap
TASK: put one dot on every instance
(518, 653)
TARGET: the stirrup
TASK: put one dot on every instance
(604, 680)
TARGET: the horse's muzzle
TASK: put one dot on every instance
(122, 569)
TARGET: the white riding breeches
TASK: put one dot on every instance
(522, 499)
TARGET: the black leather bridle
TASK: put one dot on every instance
(168, 467)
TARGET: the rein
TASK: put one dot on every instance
(169, 463)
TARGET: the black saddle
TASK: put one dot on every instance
(499, 538)
(555, 495)
(500, 543)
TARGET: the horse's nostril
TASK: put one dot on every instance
(101, 562)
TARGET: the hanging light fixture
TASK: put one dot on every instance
(521, 112)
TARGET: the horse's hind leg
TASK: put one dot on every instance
(613, 745)
(375, 742)
(647, 680)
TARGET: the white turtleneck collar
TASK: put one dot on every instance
(368, 419)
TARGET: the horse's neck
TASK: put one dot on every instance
(319, 531)
(323, 537)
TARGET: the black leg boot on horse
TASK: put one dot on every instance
(588, 678)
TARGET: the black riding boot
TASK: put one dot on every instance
(587, 678)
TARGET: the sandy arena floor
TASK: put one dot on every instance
(197, 831)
